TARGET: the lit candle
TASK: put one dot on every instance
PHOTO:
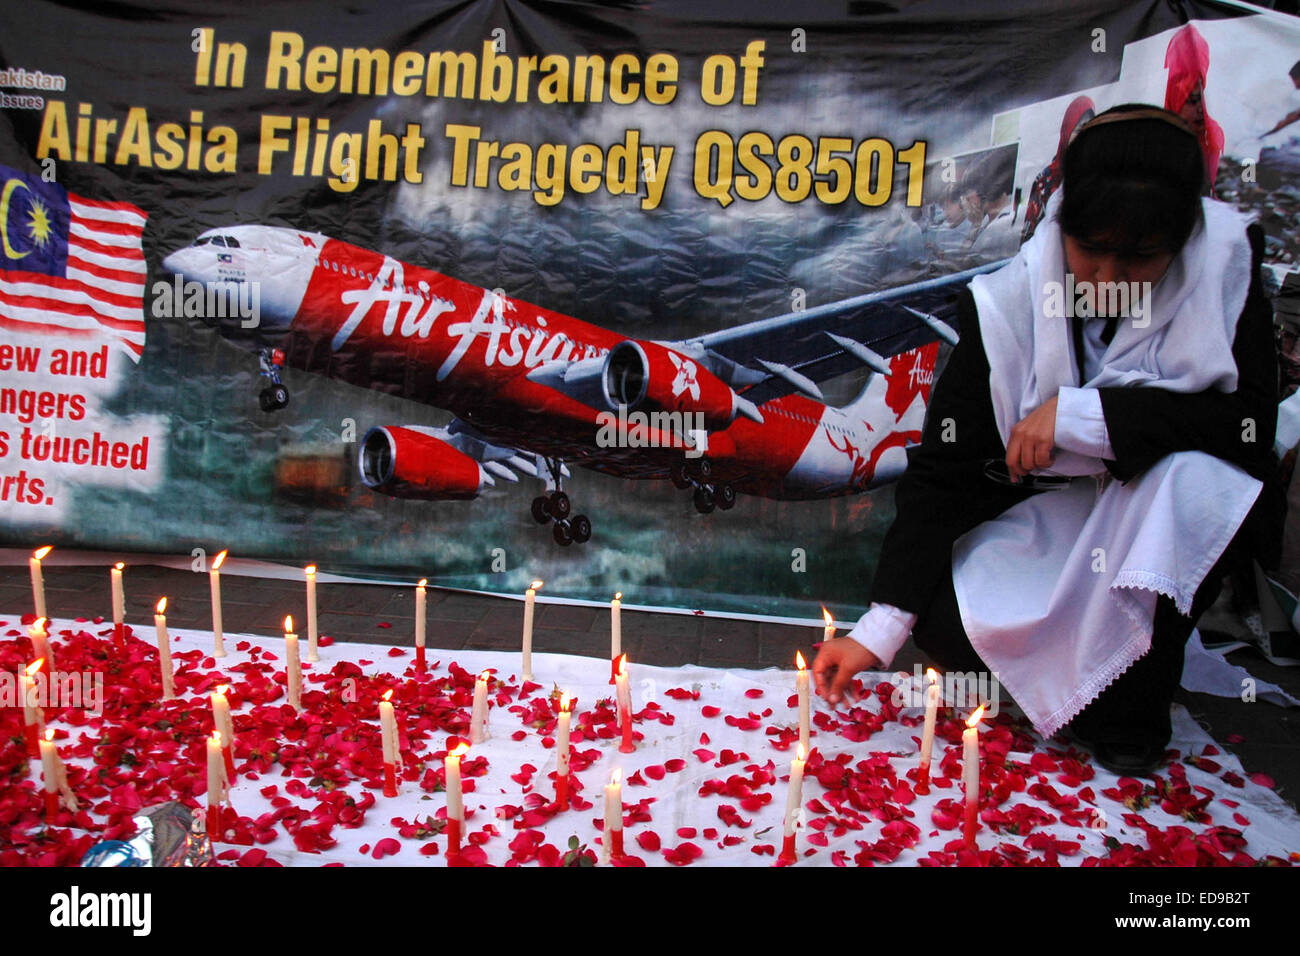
(793, 801)
(455, 807)
(216, 782)
(562, 753)
(612, 844)
(828, 630)
(119, 605)
(805, 710)
(50, 768)
(615, 634)
(970, 739)
(33, 714)
(38, 583)
(420, 666)
(310, 571)
(41, 644)
(214, 582)
(388, 725)
(221, 721)
(529, 597)
(164, 650)
(927, 737)
(293, 667)
(624, 695)
(478, 716)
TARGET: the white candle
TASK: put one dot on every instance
(970, 739)
(38, 582)
(828, 631)
(119, 598)
(529, 597)
(616, 626)
(214, 582)
(623, 690)
(41, 643)
(613, 813)
(794, 796)
(50, 762)
(216, 772)
(478, 716)
(388, 726)
(293, 667)
(310, 571)
(164, 651)
(805, 708)
(221, 715)
(455, 808)
(419, 613)
(33, 713)
(562, 740)
(931, 715)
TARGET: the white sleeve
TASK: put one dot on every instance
(1081, 424)
(883, 630)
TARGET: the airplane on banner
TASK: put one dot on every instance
(732, 412)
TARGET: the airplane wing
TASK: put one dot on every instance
(768, 358)
(498, 461)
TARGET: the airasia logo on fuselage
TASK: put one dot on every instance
(685, 380)
(507, 345)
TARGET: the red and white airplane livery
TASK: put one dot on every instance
(731, 412)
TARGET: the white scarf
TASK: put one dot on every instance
(1026, 581)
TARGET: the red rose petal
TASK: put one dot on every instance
(710, 711)
(648, 840)
(386, 847)
(753, 693)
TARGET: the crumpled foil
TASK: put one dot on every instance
(167, 834)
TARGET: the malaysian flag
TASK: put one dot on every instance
(70, 266)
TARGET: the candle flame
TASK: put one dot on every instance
(39, 625)
(161, 606)
(535, 586)
(34, 666)
(219, 560)
(309, 570)
(216, 735)
(461, 750)
(800, 754)
(565, 698)
(932, 675)
(40, 553)
(422, 582)
(49, 733)
(616, 776)
(222, 688)
(288, 624)
(800, 662)
(618, 596)
(486, 675)
(119, 565)
(622, 666)
(387, 695)
(826, 616)
(975, 717)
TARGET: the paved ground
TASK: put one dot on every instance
(352, 612)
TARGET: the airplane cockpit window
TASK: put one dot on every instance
(219, 241)
(232, 242)
(202, 240)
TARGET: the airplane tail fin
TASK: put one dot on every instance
(911, 374)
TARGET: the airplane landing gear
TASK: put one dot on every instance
(709, 493)
(556, 508)
(275, 395)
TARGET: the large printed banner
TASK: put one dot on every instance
(642, 298)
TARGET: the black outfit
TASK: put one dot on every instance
(944, 493)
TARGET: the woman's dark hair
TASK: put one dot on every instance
(1128, 181)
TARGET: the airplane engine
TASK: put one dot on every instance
(646, 376)
(408, 463)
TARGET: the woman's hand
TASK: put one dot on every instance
(1032, 443)
(837, 662)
